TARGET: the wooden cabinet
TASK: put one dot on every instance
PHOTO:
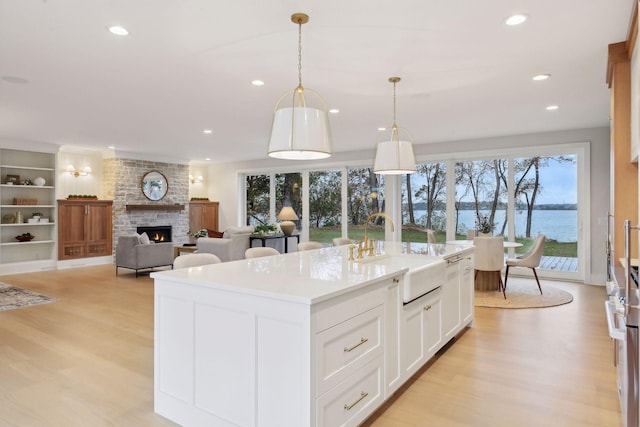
(84, 228)
(624, 172)
(203, 214)
(27, 186)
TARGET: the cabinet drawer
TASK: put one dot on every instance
(351, 305)
(354, 399)
(345, 347)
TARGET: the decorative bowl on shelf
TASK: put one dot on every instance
(25, 237)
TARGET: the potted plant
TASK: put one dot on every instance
(263, 229)
(36, 215)
(484, 225)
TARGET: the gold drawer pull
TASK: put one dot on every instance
(396, 280)
(362, 396)
(362, 341)
(427, 307)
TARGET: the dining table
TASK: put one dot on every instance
(486, 280)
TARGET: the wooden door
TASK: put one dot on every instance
(71, 230)
(98, 229)
(203, 215)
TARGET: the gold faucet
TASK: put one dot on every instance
(366, 225)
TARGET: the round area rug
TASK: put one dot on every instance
(523, 295)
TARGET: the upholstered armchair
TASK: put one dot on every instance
(232, 245)
(132, 254)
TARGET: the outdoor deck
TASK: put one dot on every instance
(557, 263)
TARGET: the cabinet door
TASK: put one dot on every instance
(422, 333)
(195, 216)
(71, 231)
(451, 301)
(210, 216)
(466, 290)
(203, 215)
(98, 229)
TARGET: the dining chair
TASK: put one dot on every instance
(431, 237)
(531, 259)
(195, 260)
(260, 252)
(339, 241)
(489, 256)
(307, 246)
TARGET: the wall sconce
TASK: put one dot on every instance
(195, 179)
(72, 171)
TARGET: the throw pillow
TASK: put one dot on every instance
(214, 234)
(144, 239)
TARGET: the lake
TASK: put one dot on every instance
(560, 225)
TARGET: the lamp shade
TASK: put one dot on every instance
(300, 133)
(394, 158)
(287, 214)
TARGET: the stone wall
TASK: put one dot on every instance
(122, 178)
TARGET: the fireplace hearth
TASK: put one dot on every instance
(157, 233)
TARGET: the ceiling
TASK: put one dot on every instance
(187, 65)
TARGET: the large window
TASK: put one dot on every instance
(424, 199)
(481, 195)
(325, 205)
(257, 201)
(289, 193)
(520, 193)
(546, 203)
(365, 196)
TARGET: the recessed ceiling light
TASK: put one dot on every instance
(14, 79)
(257, 82)
(207, 158)
(207, 131)
(334, 111)
(539, 77)
(552, 107)
(516, 19)
(118, 30)
(381, 129)
(111, 147)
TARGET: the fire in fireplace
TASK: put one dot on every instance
(157, 233)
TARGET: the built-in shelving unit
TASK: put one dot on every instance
(22, 166)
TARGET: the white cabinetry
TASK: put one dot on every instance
(421, 331)
(225, 358)
(349, 373)
(21, 201)
(466, 290)
(457, 295)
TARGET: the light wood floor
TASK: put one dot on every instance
(87, 360)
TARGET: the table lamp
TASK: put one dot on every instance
(287, 215)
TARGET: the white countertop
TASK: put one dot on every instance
(309, 277)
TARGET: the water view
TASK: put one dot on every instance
(559, 225)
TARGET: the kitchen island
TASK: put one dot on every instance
(303, 339)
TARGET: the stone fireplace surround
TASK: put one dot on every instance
(122, 185)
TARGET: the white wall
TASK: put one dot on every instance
(224, 187)
(80, 158)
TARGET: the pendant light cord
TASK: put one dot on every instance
(394, 103)
(299, 54)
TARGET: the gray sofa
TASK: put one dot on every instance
(132, 254)
(232, 245)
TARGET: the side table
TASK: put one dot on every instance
(264, 239)
(182, 248)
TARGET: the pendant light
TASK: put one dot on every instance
(300, 130)
(395, 156)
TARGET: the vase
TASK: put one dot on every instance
(39, 181)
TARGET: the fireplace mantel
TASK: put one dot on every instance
(155, 207)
